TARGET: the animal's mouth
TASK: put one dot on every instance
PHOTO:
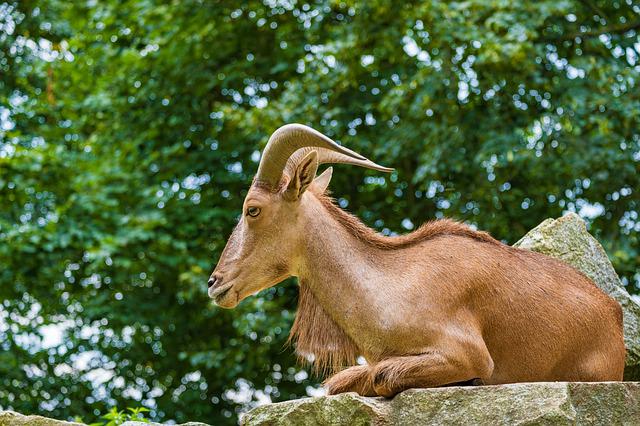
(222, 294)
(218, 293)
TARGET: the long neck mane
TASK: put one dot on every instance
(318, 338)
(428, 230)
(317, 335)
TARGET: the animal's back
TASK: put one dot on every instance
(540, 319)
(549, 322)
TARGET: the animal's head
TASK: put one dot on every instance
(262, 250)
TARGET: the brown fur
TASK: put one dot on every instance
(314, 331)
(427, 231)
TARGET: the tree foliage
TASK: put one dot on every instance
(130, 130)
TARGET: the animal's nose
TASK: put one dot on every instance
(215, 279)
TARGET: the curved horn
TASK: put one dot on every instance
(325, 156)
(290, 138)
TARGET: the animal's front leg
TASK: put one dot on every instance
(353, 379)
(394, 375)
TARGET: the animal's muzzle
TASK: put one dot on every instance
(214, 280)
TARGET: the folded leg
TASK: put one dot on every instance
(353, 379)
(431, 369)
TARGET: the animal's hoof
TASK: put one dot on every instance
(385, 391)
(382, 383)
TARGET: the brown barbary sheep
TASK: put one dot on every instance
(442, 305)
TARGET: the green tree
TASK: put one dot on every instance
(130, 130)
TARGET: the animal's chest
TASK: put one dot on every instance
(380, 330)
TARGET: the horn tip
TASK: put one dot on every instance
(378, 167)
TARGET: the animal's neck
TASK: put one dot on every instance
(341, 299)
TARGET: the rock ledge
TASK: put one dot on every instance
(557, 403)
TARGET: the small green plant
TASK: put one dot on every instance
(115, 417)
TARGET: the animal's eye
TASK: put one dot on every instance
(253, 211)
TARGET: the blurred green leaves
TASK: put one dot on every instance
(130, 130)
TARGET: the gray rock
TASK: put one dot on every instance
(344, 409)
(556, 403)
(11, 418)
(567, 239)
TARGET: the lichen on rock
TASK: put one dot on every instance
(557, 403)
(11, 418)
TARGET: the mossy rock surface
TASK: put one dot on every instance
(11, 418)
(556, 403)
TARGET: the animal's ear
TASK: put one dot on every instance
(320, 184)
(303, 176)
